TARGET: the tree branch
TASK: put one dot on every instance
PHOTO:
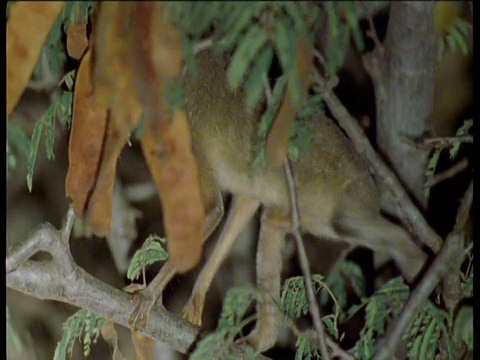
(304, 264)
(60, 279)
(447, 260)
(403, 74)
(410, 215)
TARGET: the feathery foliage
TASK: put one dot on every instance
(151, 251)
(82, 322)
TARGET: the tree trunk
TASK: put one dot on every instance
(403, 76)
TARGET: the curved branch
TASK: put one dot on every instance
(411, 216)
(62, 280)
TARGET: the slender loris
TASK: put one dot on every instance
(337, 198)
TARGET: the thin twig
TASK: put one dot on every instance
(304, 264)
(447, 174)
(451, 252)
(203, 45)
(372, 34)
(440, 142)
(410, 215)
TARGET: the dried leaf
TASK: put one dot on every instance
(277, 140)
(175, 173)
(143, 345)
(96, 140)
(89, 124)
(77, 41)
(110, 335)
(28, 25)
(156, 56)
(111, 72)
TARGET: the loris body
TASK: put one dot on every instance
(337, 198)
(336, 195)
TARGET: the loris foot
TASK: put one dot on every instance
(144, 301)
(262, 339)
(194, 309)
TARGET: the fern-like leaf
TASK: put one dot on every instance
(151, 251)
(82, 322)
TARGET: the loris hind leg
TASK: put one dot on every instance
(147, 297)
(269, 268)
(242, 211)
(379, 234)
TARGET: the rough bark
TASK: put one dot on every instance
(403, 75)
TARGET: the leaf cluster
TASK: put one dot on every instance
(151, 251)
(82, 322)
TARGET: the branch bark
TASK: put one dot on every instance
(448, 260)
(409, 213)
(60, 279)
(403, 74)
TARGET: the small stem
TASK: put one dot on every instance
(313, 308)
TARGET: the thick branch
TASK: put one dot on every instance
(411, 216)
(62, 280)
(403, 76)
(449, 258)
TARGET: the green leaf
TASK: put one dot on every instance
(236, 303)
(17, 138)
(468, 287)
(189, 55)
(13, 339)
(463, 327)
(352, 20)
(463, 130)
(459, 39)
(246, 51)
(65, 103)
(293, 9)
(83, 321)
(34, 142)
(306, 348)
(49, 120)
(150, 252)
(254, 86)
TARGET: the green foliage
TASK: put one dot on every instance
(17, 144)
(456, 36)
(463, 130)
(346, 273)
(230, 325)
(424, 333)
(82, 322)
(47, 121)
(12, 337)
(432, 165)
(294, 303)
(463, 327)
(307, 349)
(468, 287)
(151, 251)
(255, 32)
(294, 298)
(380, 308)
(339, 33)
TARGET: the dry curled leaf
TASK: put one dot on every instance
(175, 174)
(28, 25)
(277, 140)
(98, 136)
(77, 41)
(89, 123)
(143, 345)
(156, 56)
(110, 335)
